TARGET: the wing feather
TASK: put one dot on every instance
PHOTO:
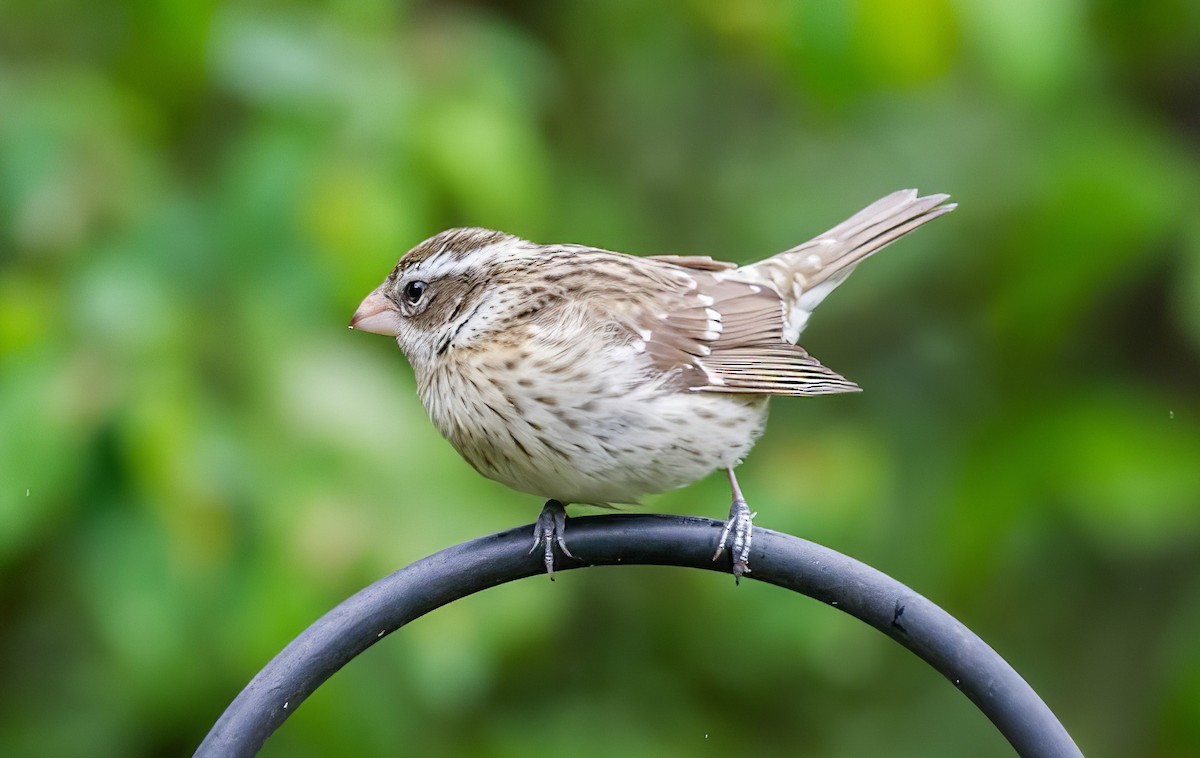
(697, 262)
(783, 370)
(710, 326)
(720, 334)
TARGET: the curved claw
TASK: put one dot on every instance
(741, 526)
(549, 530)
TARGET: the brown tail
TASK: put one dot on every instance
(807, 273)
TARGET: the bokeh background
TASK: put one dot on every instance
(197, 459)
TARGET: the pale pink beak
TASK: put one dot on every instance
(377, 315)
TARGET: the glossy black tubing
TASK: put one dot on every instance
(777, 558)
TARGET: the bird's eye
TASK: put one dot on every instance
(414, 291)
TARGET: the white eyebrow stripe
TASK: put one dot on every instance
(446, 264)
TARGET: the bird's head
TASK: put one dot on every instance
(445, 293)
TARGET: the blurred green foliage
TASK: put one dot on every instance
(197, 459)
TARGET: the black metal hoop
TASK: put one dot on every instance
(780, 559)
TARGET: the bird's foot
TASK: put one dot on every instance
(550, 530)
(740, 527)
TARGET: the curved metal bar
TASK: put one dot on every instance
(780, 559)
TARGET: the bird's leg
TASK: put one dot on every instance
(741, 526)
(549, 530)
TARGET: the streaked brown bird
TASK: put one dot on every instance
(588, 376)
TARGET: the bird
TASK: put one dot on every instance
(587, 376)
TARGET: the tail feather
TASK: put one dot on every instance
(807, 273)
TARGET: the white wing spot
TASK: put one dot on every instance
(813, 261)
(713, 314)
(706, 299)
(645, 334)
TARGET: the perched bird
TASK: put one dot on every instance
(587, 376)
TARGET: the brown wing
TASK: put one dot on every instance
(724, 335)
(733, 330)
(698, 262)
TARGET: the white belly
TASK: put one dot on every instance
(581, 432)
